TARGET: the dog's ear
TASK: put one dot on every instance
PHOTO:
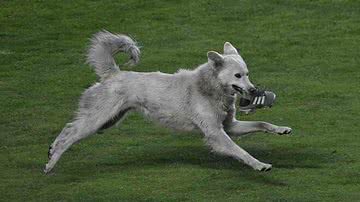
(215, 58)
(230, 49)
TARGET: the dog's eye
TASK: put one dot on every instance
(238, 75)
(247, 74)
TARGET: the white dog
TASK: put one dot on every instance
(202, 99)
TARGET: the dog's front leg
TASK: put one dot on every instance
(221, 143)
(238, 128)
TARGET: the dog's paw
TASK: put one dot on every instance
(282, 130)
(47, 169)
(263, 167)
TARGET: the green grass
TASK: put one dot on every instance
(306, 51)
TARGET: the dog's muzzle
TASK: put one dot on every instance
(247, 93)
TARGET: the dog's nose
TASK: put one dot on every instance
(252, 90)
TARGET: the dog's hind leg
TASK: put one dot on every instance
(100, 115)
(77, 130)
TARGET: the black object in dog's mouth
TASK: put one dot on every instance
(238, 89)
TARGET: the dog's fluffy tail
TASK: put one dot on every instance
(104, 45)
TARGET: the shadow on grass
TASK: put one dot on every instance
(292, 159)
(201, 156)
(165, 157)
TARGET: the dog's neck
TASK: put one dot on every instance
(209, 85)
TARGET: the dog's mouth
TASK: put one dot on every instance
(238, 89)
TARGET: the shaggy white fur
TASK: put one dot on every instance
(202, 99)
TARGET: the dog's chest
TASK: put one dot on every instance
(223, 107)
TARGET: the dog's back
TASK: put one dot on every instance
(166, 98)
(157, 95)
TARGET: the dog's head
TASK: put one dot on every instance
(232, 70)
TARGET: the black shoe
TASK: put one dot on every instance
(258, 100)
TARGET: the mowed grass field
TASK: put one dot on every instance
(305, 51)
